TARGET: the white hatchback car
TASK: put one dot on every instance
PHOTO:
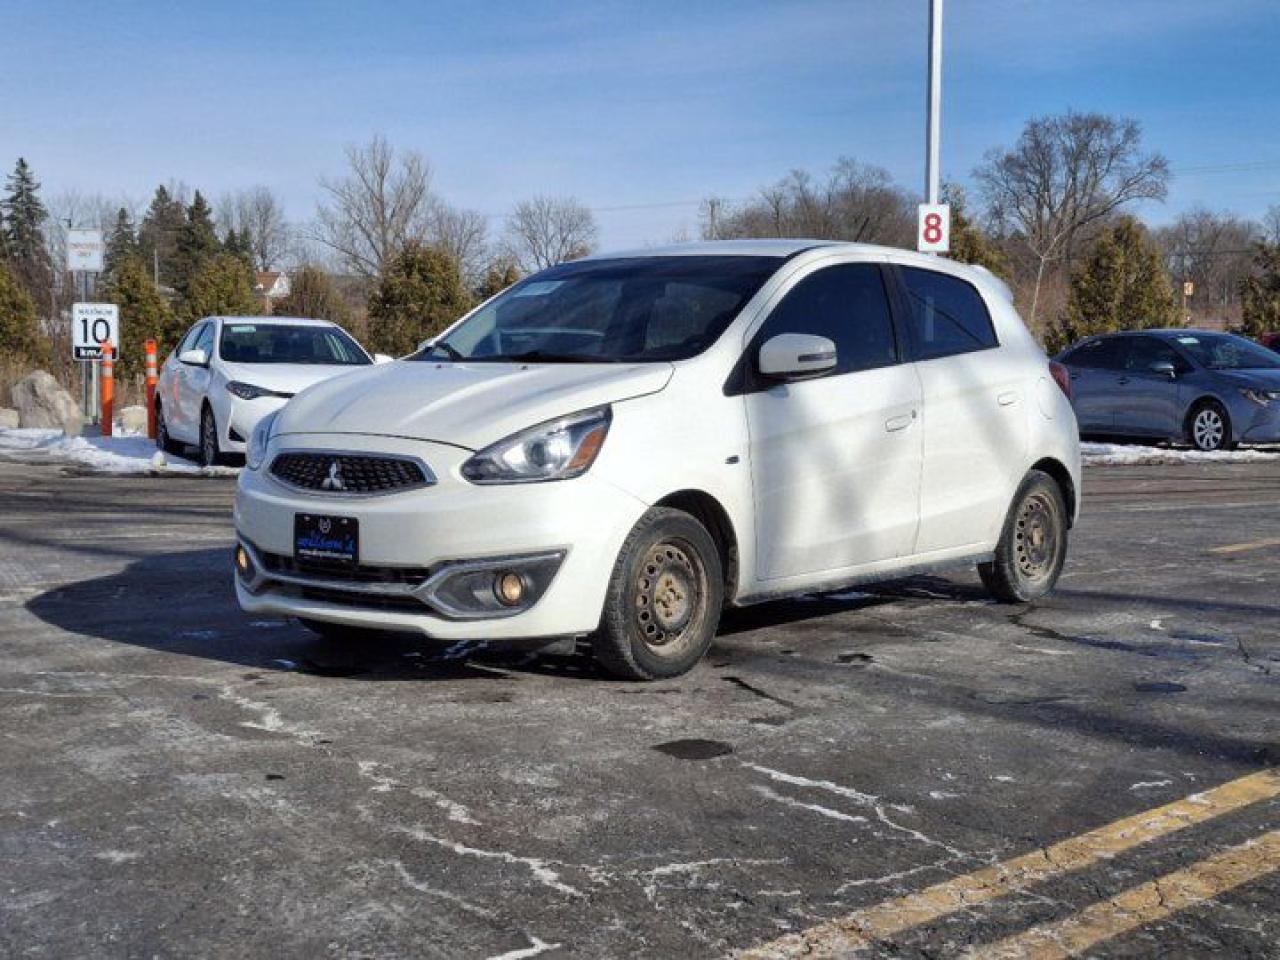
(227, 373)
(619, 446)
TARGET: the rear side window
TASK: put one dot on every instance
(947, 315)
(848, 305)
(1109, 354)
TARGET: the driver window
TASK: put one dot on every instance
(1145, 351)
(848, 305)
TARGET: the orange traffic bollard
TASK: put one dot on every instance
(108, 387)
(151, 388)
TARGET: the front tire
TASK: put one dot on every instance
(1209, 427)
(1033, 544)
(664, 599)
(210, 452)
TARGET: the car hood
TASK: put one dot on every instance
(468, 405)
(288, 378)
(1260, 379)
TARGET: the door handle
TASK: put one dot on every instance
(894, 424)
(1007, 399)
(1122, 380)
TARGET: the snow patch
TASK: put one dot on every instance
(1131, 455)
(122, 454)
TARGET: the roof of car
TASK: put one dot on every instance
(1157, 331)
(290, 321)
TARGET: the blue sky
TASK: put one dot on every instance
(643, 105)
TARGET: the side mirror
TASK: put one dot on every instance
(795, 356)
(382, 358)
(194, 358)
(1164, 368)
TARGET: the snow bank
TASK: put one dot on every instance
(1128, 455)
(128, 453)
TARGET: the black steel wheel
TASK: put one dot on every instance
(210, 454)
(1033, 544)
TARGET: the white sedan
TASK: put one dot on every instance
(230, 372)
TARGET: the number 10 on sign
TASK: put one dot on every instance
(934, 235)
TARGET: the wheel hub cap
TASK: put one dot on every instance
(1035, 538)
(667, 595)
(1208, 430)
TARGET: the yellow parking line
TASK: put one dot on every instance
(1244, 547)
(863, 927)
(1141, 905)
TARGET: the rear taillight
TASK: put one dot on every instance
(1061, 376)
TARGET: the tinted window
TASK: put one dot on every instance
(205, 340)
(1107, 354)
(1226, 351)
(948, 315)
(189, 341)
(1145, 351)
(289, 343)
(846, 304)
(600, 311)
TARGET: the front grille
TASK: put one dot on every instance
(349, 473)
(363, 573)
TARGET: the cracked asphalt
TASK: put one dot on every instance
(178, 779)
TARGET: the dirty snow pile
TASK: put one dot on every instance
(126, 453)
(1128, 455)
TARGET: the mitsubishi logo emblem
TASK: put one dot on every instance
(334, 480)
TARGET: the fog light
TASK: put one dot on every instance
(509, 588)
(244, 566)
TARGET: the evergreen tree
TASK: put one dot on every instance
(419, 293)
(501, 274)
(238, 244)
(122, 244)
(144, 313)
(197, 243)
(19, 325)
(312, 293)
(158, 235)
(1122, 285)
(1260, 293)
(969, 243)
(22, 217)
(221, 286)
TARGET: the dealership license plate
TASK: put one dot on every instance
(326, 540)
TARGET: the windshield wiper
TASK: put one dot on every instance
(449, 350)
(547, 356)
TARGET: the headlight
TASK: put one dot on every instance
(1263, 398)
(256, 452)
(247, 391)
(557, 450)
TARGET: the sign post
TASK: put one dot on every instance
(92, 325)
(934, 233)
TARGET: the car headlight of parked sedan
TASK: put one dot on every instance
(256, 452)
(247, 391)
(1264, 398)
(558, 450)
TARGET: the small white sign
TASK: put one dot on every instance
(84, 250)
(934, 234)
(92, 325)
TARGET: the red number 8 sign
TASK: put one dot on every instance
(934, 235)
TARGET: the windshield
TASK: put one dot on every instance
(1226, 351)
(610, 311)
(289, 343)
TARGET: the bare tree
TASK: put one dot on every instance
(257, 216)
(1271, 224)
(384, 203)
(545, 231)
(1214, 251)
(854, 202)
(1065, 175)
(463, 235)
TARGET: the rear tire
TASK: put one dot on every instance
(1209, 427)
(1033, 544)
(164, 441)
(664, 599)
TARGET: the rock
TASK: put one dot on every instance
(9, 419)
(133, 419)
(42, 403)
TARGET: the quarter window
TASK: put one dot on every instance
(947, 315)
(846, 304)
(1110, 353)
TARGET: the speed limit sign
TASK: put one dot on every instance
(935, 228)
(92, 325)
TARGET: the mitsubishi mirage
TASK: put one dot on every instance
(618, 447)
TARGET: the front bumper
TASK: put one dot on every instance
(406, 538)
(1257, 424)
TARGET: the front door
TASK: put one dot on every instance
(835, 461)
(1151, 406)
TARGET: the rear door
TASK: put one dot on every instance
(1096, 368)
(835, 461)
(975, 414)
(1150, 404)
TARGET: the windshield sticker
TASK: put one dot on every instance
(243, 328)
(1188, 340)
(538, 289)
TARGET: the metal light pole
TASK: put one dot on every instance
(933, 122)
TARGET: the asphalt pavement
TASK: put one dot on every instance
(909, 770)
